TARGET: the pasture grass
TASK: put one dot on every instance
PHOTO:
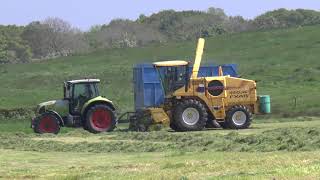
(164, 165)
(270, 149)
(284, 62)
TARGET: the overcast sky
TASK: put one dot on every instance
(85, 13)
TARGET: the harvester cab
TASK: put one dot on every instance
(81, 106)
(192, 102)
(173, 75)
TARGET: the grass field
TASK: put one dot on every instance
(207, 165)
(280, 149)
(284, 62)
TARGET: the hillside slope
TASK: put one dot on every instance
(284, 62)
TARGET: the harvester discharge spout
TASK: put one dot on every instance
(198, 58)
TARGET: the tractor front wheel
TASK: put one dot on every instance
(100, 118)
(190, 115)
(46, 123)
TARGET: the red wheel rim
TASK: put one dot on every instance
(48, 125)
(101, 119)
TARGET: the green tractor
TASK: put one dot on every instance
(81, 106)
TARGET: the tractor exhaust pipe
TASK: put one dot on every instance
(198, 58)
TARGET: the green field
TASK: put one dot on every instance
(284, 62)
(270, 149)
(285, 145)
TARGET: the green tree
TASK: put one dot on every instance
(13, 49)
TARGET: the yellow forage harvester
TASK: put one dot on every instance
(193, 103)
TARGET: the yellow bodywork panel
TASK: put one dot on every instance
(170, 63)
(159, 116)
(221, 93)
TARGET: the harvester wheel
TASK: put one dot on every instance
(190, 115)
(174, 127)
(46, 123)
(100, 118)
(238, 117)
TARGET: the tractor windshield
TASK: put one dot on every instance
(81, 93)
(173, 77)
(87, 90)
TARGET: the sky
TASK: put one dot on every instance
(85, 13)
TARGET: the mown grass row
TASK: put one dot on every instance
(281, 139)
(270, 149)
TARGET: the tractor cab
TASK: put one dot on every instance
(173, 74)
(78, 92)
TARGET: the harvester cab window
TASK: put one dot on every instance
(173, 78)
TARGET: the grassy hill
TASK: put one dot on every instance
(284, 62)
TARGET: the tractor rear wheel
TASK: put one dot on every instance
(190, 115)
(46, 123)
(100, 118)
(238, 117)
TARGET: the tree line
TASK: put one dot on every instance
(54, 37)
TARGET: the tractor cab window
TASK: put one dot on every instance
(173, 77)
(82, 92)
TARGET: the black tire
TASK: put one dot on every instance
(142, 128)
(140, 121)
(133, 123)
(174, 127)
(224, 125)
(212, 122)
(198, 119)
(100, 118)
(243, 121)
(46, 123)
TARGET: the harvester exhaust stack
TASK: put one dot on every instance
(198, 58)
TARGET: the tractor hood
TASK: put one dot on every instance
(48, 103)
(59, 106)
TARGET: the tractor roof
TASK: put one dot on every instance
(84, 81)
(170, 63)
